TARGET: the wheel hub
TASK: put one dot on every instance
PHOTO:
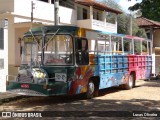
(91, 88)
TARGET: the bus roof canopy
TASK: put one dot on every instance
(53, 29)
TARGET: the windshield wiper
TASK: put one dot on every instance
(34, 38)
(33, 62)
(51, 38)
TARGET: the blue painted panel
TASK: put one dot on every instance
(96, 71)
(125, 65)
(110, 80)
(112, 70)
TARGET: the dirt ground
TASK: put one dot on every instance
(144, 97)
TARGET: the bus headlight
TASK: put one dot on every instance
(62, 77)
(39, 75)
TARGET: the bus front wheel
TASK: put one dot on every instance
(90, 89)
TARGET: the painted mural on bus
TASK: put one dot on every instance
(68, 60)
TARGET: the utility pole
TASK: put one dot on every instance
(32, 8)
(130, 24)
(56, 12)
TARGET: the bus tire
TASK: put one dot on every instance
(130, 83)
(91, 90)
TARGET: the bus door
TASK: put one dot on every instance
(82, 70)
(81, 49)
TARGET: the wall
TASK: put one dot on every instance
(43, 12)
(156, 51)
(4, 55)
(102, 26)
(97, 25)
(84, 23)
(157, 60)
(6, 6)
(156, 38)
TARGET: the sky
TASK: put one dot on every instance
(125, 4)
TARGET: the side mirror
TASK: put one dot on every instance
(79, 44)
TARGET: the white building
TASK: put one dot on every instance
(15, 19)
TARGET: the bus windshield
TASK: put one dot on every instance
(58, 50)
(31, 52)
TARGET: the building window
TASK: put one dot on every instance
(1, 38)
(94, 15)
(4, 23)
(1, 64)
(84, 13)
(98, 16)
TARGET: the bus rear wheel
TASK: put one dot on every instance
(130, 83)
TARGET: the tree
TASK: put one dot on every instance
(150, 9)
(123, 20)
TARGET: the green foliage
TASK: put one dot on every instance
(123, 24)
(150, 9)
(123, 20)
(136, 31)
(111, 4)
(137, 47)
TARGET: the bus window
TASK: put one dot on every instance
(31, 50)
(91, 46)
(58, 50)
(116, 44)
(137, 47)
(103, 46)
(82, 55)
(144, 48)
(128, 48)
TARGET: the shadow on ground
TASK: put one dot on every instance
(79, 104)
(86, 108)
(152, 83)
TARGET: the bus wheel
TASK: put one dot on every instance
(90, 89)
(130, 83)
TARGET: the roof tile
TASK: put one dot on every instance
(97, 5)
(144, 22)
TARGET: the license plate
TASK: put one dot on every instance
(24, 85)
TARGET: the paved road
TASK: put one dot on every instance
(144, 97)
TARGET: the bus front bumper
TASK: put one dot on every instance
(31, 89)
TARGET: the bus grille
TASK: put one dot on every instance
(25, 79)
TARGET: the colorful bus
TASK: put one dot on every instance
(68, 60)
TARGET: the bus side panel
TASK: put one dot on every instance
(113, 70)
(78, 83)
(141, 65)
(110, 80)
